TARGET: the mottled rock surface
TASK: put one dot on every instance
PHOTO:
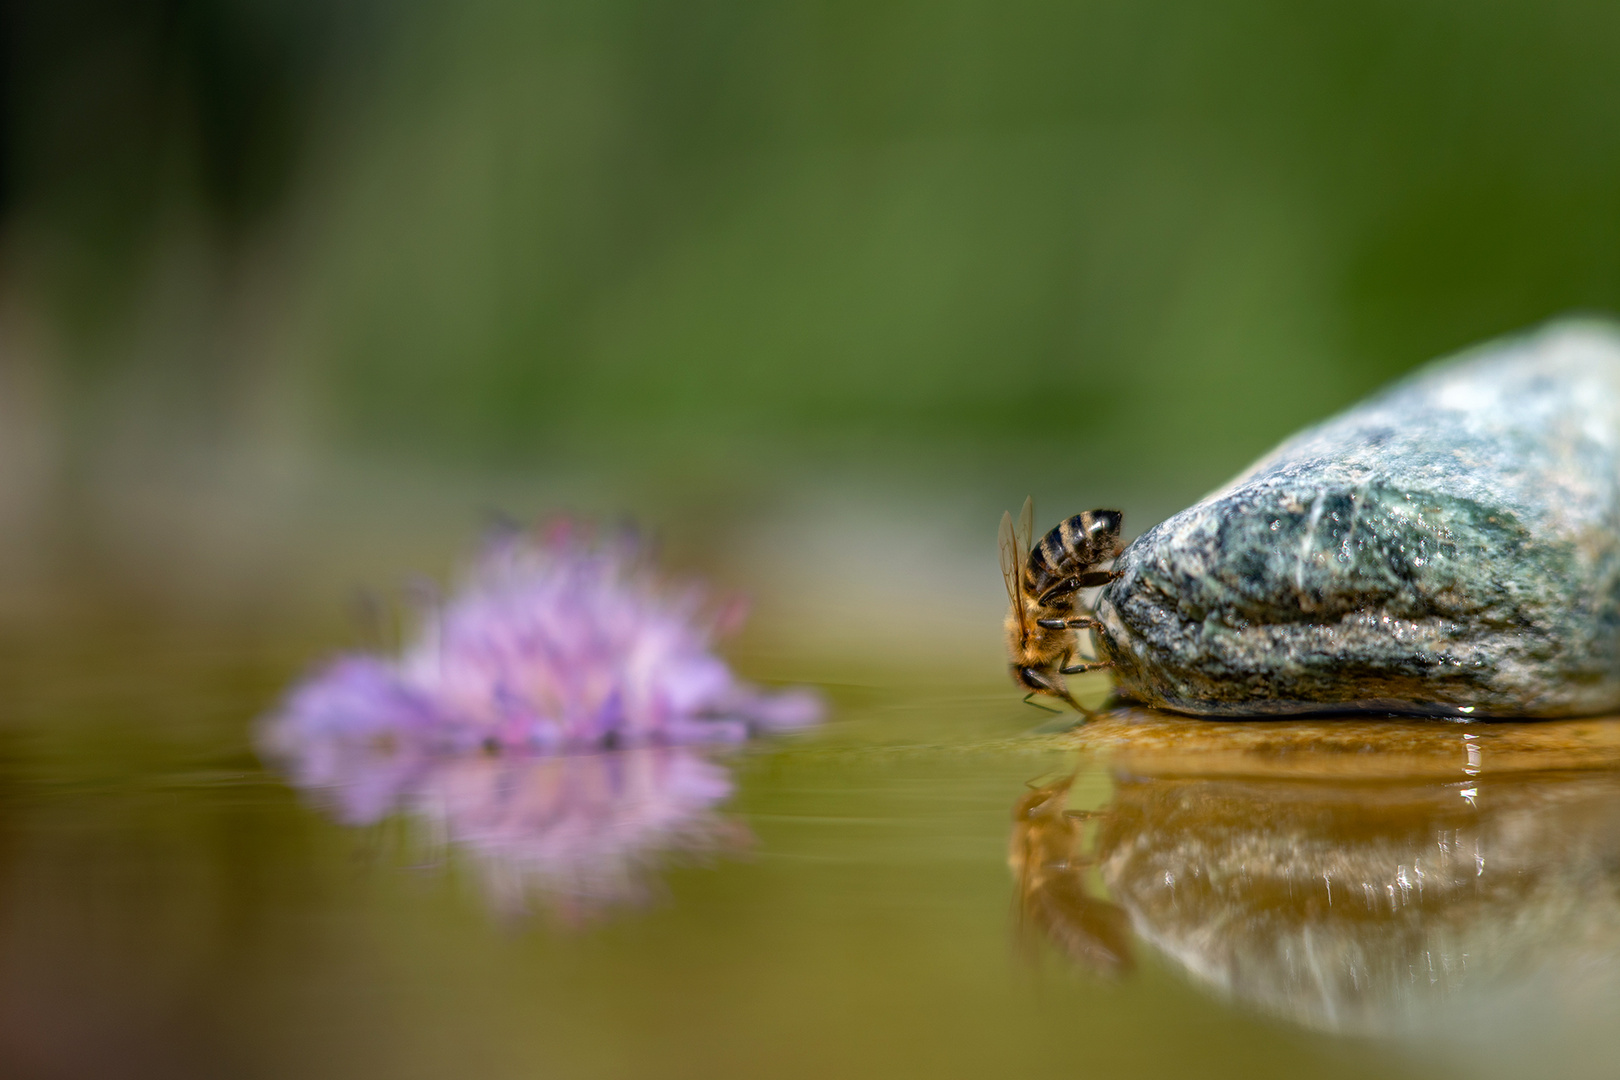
(1449, 547)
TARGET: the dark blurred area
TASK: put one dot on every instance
(264, 260)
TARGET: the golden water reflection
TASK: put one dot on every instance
(1351, 876)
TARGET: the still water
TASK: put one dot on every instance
(926, 884)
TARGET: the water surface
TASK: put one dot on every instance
(172, 906)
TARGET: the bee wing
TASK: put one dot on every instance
(1014, 552)
(1009, 557)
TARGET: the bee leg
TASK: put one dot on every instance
(1081, 669)
(1068, 624)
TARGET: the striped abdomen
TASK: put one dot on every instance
(1063, 560)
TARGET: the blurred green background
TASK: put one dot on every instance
(289, 276)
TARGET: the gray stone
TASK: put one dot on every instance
(1449, 547)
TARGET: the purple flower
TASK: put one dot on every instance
(561, 643)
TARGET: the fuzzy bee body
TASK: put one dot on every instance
(1044, 588)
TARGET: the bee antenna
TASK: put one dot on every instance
(1029, 700)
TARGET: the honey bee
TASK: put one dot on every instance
(1044, 583)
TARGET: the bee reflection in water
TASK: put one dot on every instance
(1047, 858)
(576, 835)
(1350, 904)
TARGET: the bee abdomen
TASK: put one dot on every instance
(1074, 545)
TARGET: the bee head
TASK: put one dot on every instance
(1032, 679)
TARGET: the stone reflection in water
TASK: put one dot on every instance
(576, 835)
(1344, 898)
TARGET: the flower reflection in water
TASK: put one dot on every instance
(575, 834)
(1330, 889)
(539, 724)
